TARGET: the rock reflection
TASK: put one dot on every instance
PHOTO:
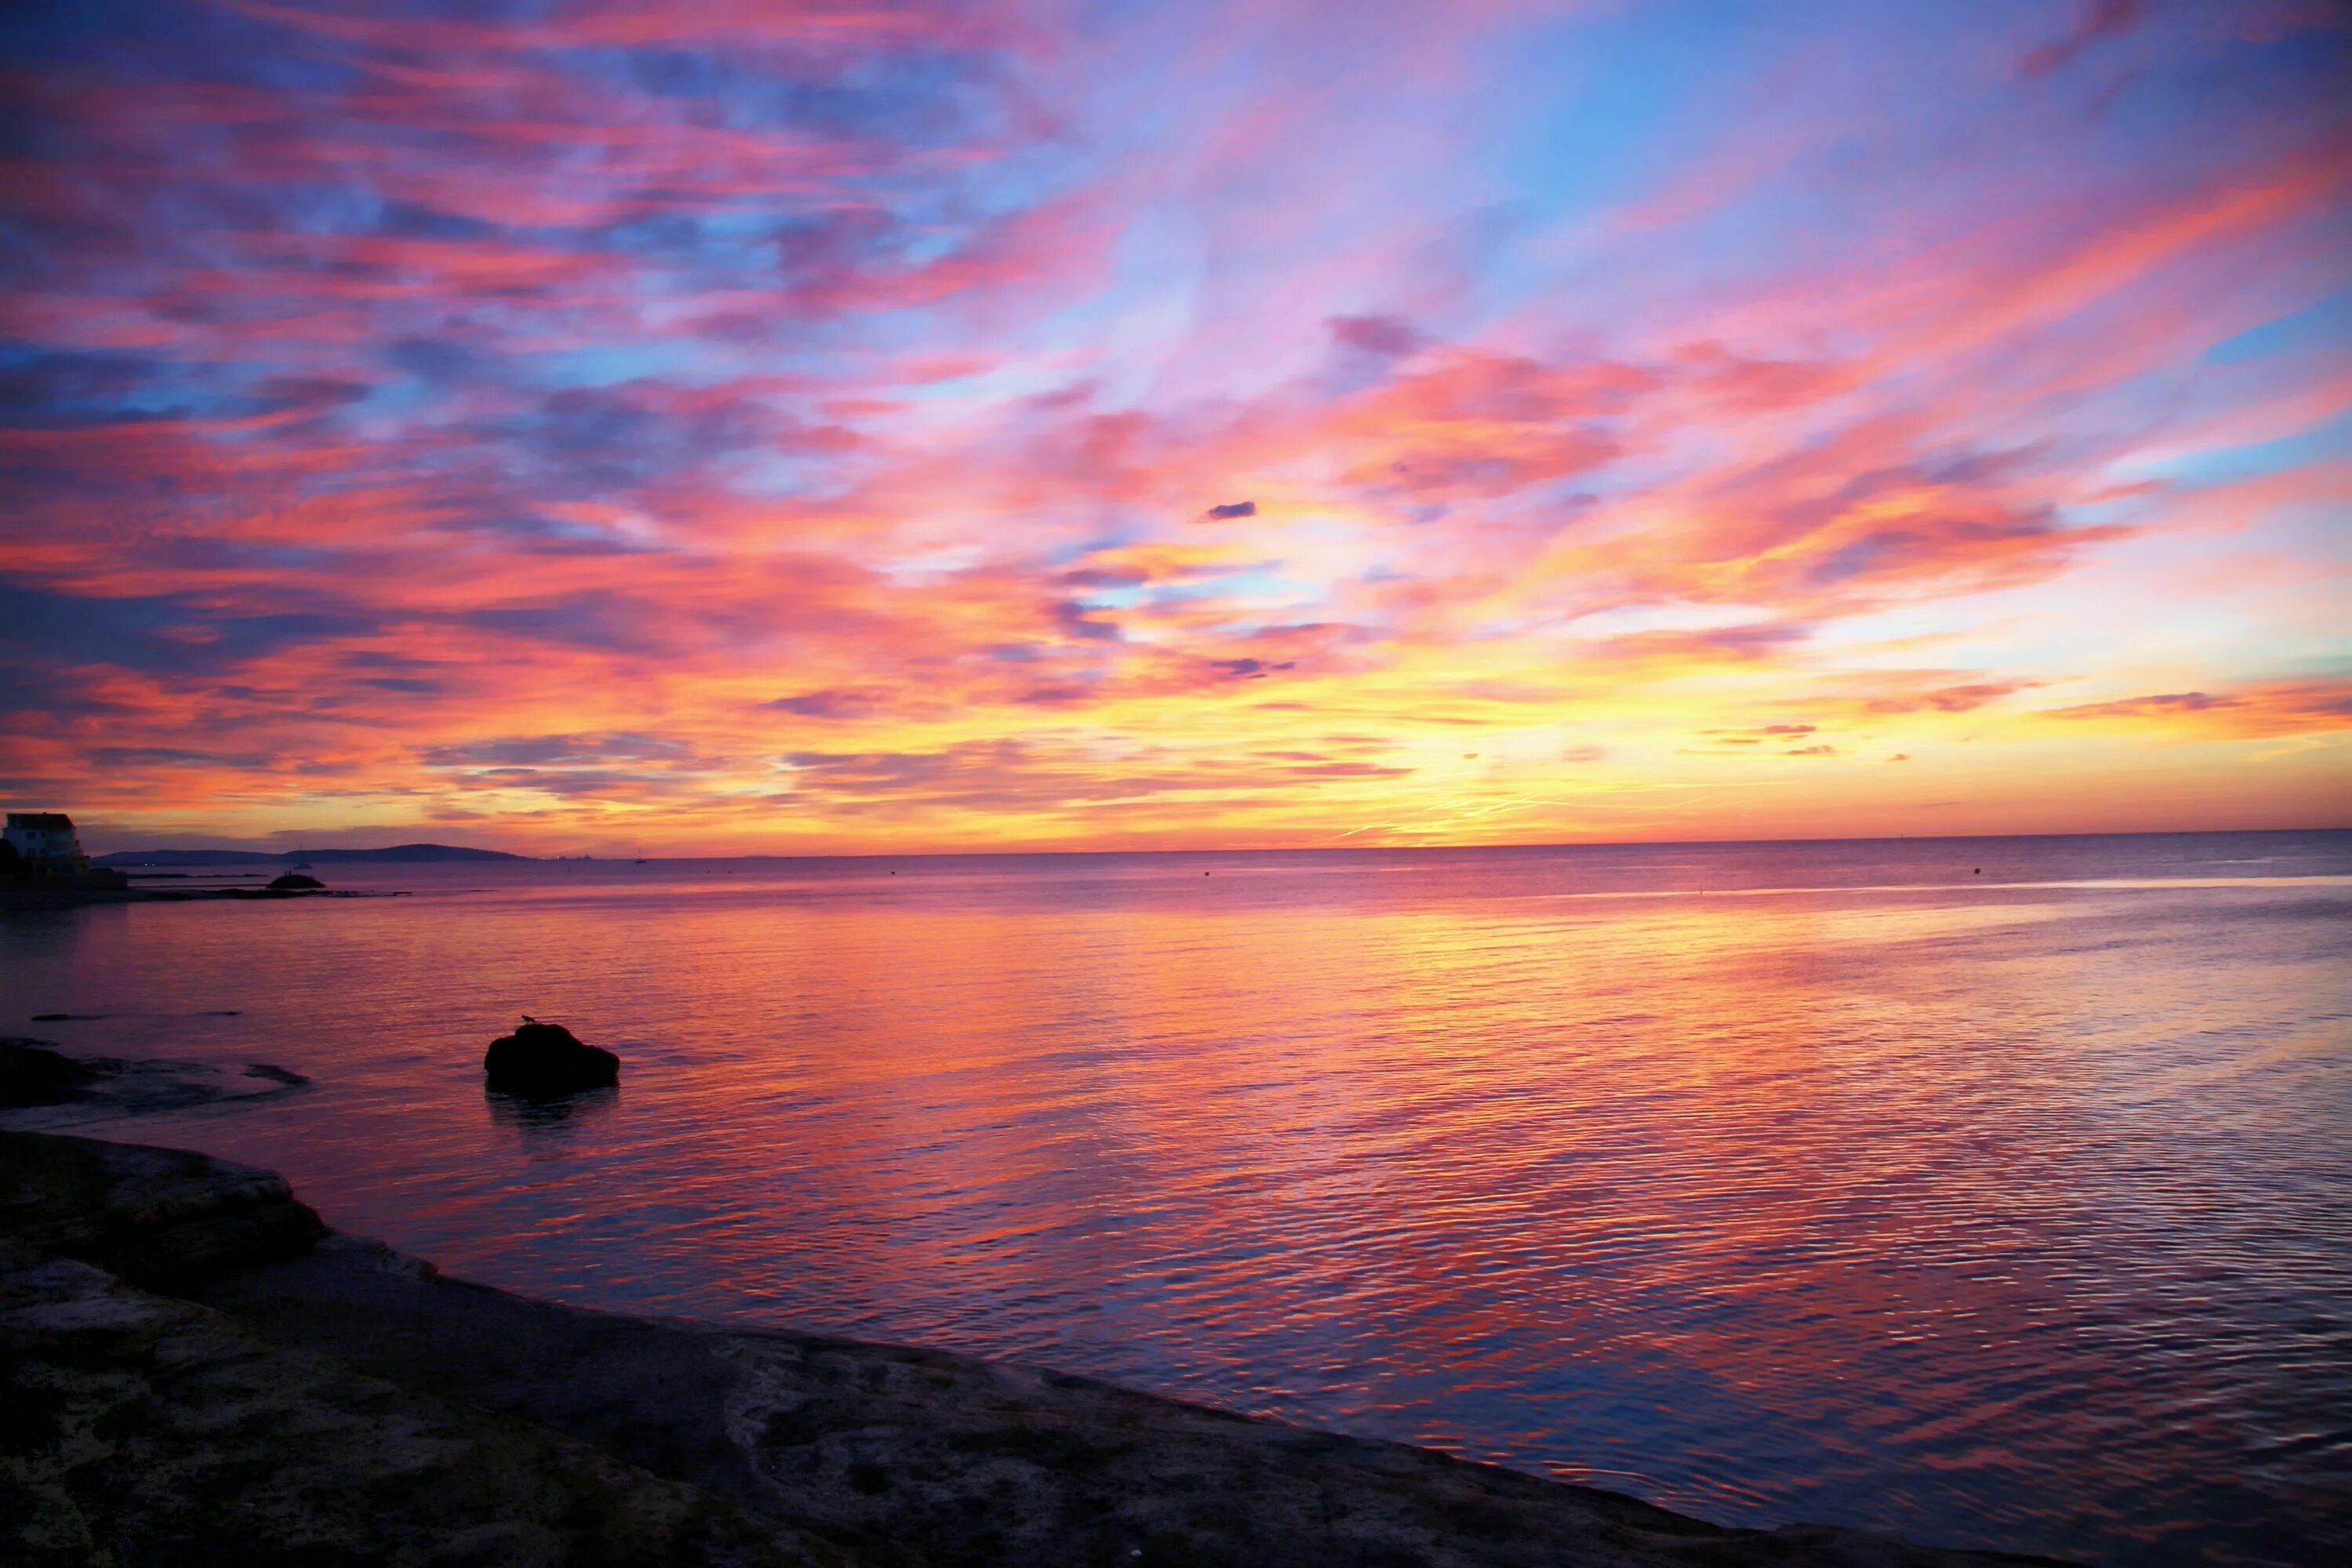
(543, 1119)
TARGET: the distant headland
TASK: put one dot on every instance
(42, 866)
(407, 853)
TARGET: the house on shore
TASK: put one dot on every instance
(47, 836)
(41, 854)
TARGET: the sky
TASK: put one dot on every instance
(808, 428)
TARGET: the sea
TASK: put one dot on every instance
(1995, 1191)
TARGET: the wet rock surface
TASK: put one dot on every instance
(145, 1429)
(44, 1089)
(150, 1216)
(338, 1402)
(31, 1073)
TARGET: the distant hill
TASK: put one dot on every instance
(184, 858)
(397, 852)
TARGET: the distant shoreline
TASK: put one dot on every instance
(396, 854)
(34, 896)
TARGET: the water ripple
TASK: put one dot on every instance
(2012, 1212)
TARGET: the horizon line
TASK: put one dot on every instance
(1000, 853)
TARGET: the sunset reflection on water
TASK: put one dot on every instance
(2002, 1208)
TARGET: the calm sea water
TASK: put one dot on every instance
(1994, 1192)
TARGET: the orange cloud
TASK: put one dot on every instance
(2273, 707)
(855, 428)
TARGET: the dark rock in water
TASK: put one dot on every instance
(546, 1059)
(295, 882)
(277, 1074)
(32, 1074)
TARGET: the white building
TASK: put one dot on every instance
(43, 835)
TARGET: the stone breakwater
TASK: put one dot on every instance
(195, 1369)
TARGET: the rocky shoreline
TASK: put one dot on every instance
(197, 1369)
(40, 896)
(44, 1090)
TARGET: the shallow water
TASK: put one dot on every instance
(1994, 1192)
